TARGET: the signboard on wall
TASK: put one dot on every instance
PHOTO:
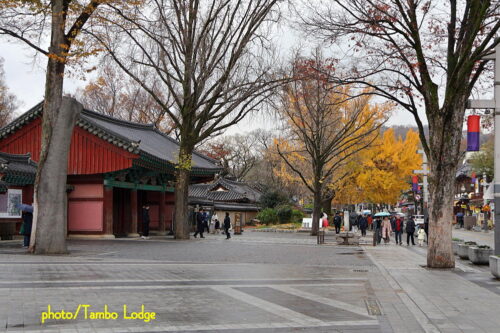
(9, 202)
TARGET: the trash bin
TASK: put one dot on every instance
(469, 222)
(7, 230)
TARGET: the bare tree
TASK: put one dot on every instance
(8, 101)
(237, 153)
(325, 127)
(29, 22)
(422, 55)
(123, 98)
(211, 56)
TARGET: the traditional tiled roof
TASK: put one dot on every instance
(17, 169)
(143, 139)
(224, 190)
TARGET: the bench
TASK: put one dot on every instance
(347, 238)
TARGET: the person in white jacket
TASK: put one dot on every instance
(421, 236)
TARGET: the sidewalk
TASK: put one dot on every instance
(482, 238)
(458, 300)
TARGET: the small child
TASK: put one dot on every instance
(421, 236)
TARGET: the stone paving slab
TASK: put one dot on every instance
(441, 300)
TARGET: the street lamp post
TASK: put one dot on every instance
(495, 105)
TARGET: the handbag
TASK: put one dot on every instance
(21, 230)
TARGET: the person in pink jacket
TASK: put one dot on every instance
(386, 230)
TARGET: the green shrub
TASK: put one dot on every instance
(268, 216)
(284, 213)
(297, 216)
(484, 247)
(457, 240)
(470, 243)
(273, 198)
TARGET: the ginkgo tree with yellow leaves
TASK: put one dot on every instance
(387, 166)
(324, 127)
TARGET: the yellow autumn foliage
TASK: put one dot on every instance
(386, 167)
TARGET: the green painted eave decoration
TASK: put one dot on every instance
(19, 179)
(136, 186)
(153, 162)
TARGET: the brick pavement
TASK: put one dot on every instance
(257, 282)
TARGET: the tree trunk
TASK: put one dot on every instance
(50, 188)
(182, 223)
(57, 126)
(445, 135)
(327, 205)
(316, 212)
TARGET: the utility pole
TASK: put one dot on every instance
(424, 172)
(495, 105)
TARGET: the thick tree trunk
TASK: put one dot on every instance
(48, 232)
(445, 135)
(50, 188)
(327, 205)
(182, 223)
(316, 212)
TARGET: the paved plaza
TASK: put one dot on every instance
(256, 282)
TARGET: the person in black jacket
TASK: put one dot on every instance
(145, 222)
(410, 230)
(200, 219)
(227, 225)
(337, 221)
(28, 222)
(363, 225)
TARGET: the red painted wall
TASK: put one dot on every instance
(88, 153)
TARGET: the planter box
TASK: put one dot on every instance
(479, 256)
(495, 266)
(463, 251)
(454, 245)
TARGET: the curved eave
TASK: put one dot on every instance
(165, 165)
(109, 136)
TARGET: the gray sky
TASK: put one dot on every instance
(26, 79)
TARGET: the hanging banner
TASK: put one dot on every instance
(414, 181)
(473, 124)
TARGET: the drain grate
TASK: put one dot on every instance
(373, 307)
(360, 270)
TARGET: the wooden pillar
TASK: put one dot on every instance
(133, 210)
(161, 214)
(108, 212)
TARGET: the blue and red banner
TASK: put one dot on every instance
(473, 130)
(414, 183)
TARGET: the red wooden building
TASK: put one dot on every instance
(114, 168)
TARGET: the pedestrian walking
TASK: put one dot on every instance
(355, 223)
(324, 221)
(27, 217)
(426, 229)
(410, 230)
(370, 222)
(386, 230)
(337, 221)
(227, 225)
(363, 225)
(199, 224)
(421, 236)
(206, 218)
(460, 219)
(216, 227)
(398, 230)
(145, 222)
(378, 229)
